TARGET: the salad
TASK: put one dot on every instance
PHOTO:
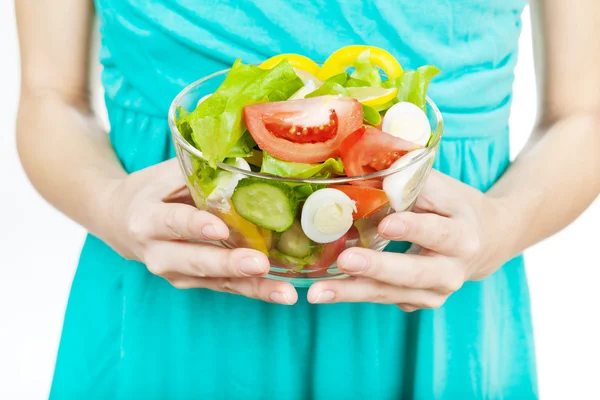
(357, 114)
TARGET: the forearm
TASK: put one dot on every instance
(554, 179)
(66, 155)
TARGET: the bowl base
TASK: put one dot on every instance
(303, 280)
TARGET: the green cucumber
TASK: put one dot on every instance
(294, 242)
(269, 204)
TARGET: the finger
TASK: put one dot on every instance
(407, 307)
(370, 291)
(403, 270)
(431, 231)
(183, 222)
(204, 260)
(257, 288)
(439, 195)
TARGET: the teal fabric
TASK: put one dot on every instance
(130, 335)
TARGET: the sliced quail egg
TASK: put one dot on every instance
(402, 187)
(327, 215)
(407, 121)
(225, 184)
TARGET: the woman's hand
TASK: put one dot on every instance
(458, 230)
(142, 222)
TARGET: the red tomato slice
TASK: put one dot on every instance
(351, 140)
(305, 130)
(375, 151)
(368, 199)
(353, 233)
(330, 253)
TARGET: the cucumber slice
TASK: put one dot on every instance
(295, 243)
(269, 204)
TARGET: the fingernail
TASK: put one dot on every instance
(213, 232)
(280, 298)
(250, 266)
(394, 228)
(324, 297)
(353, 262)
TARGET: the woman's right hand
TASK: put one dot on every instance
(140, 224)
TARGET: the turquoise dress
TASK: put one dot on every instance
(130, 335)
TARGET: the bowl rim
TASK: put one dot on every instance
(178, 137)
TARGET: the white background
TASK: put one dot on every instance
(39, 250)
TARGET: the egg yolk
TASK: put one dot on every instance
(333, 218)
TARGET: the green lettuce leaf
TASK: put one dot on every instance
(332, 86)
(274, 166)
(277, 83)
(412, 85)
(243, 147)
(340, 79)
(371, 115)
(182, 124)
(203, 177)
(217, 123)
(385, 106)
(353, 82)
(365, 71)
(303, 190)
(328, 88)
(285, 91)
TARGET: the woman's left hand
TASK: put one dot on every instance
(461, 234)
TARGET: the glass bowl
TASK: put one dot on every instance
(319, 261)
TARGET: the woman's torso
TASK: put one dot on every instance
(149, 340)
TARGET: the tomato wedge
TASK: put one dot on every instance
(351, 140)
(330, 253)
(306, 130)
(368, 200)
(375, 151)
(353, 233)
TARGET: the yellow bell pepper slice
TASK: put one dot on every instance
(295, 60)
(267, 236)
(345, 57)
(235, 222)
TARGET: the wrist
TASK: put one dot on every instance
(103, 208)
(506, 227)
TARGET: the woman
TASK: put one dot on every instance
(129, 333)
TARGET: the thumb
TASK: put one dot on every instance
(166, 178)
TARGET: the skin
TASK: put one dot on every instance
(461, 231)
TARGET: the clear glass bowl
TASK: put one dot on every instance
(321, 264)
